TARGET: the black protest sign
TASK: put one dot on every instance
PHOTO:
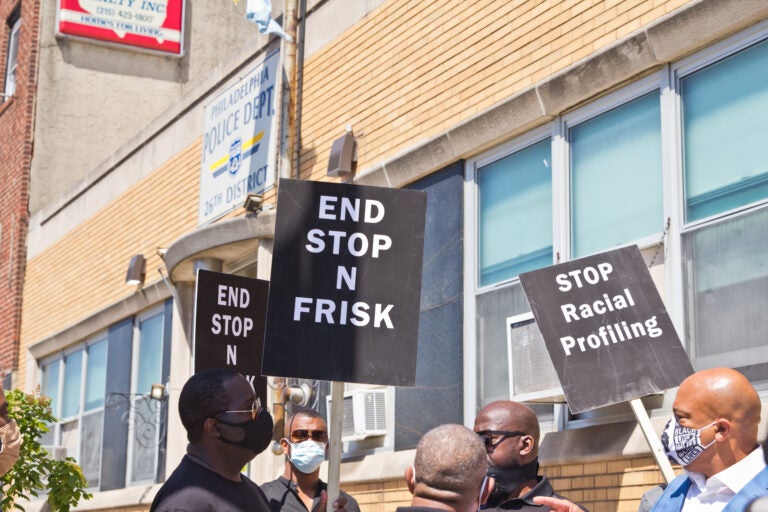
(346, 283)
(229, 325)
(606, 329)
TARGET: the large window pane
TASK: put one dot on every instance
(725, 133)
(616, 178)
(515, 210)
(493, 308)
(96, 375)
(150, 353)
(50, 386)
(727, 278)
(90, 452)
(70, 396)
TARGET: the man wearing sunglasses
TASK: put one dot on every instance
(226, 428)
(510, 432)
(300, 489)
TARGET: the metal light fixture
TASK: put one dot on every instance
(136, 271)
(343, 159)
(253, 202)
(157, 392)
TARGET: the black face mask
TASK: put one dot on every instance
(508, 479)
(258, 433)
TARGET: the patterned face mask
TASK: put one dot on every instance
(682, 444)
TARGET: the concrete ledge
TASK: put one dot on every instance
(612, 66)
(701, 24)
(228, 240)
(140, 300)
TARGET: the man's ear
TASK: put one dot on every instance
(489, 485)
(211, 427)
(526, 445)
(410, 478)
(285, 446)
(722, 429)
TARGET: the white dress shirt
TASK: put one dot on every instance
(713, 494)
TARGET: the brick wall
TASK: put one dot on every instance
(411, 69)
(15, 160)
(85, 271)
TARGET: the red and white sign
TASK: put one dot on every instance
(147, 24)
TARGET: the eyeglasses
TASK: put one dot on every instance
(493, 438)
(302, 434)
(255, 409)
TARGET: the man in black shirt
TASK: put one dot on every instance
(510, 431)
(300, 489)
(226, 428)
(448, 472)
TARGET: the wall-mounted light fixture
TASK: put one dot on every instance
(157, 392)
(253, 203)
(136, 271)
(343, 159)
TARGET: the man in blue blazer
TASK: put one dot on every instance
(713, 435)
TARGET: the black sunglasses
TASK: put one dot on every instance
(302, 434)
(493, 438)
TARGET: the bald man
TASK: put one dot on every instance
(510, 433)
(448, 472)
(713, 435)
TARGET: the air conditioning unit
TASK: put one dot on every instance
(532, 377)
(364, 414)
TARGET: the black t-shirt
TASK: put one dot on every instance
(194, 488)
(525, 503)
(283, 497)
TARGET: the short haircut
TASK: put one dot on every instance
(203, 396)
(301, 411)
(451, 458)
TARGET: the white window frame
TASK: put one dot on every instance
(135, 396)
(558, 132)
(667, 81)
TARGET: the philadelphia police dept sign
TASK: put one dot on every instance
(238, 144)
(606, 329)
(229, 325)
(346, 283)
(154, 25)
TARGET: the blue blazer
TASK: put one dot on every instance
(674, 496)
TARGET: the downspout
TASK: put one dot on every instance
(300, 83)
(288, 131)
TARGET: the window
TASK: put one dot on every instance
(724, 133)
(616, 176)
(14, 28)
(115, 415)
(724, 243)
(684, 147)
(532, 205)
(515, 213)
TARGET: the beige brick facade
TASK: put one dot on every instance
(85, 271)
(411, 69)
(404, 74)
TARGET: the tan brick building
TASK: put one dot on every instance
(541, 131)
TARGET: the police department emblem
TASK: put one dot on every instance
(235, 156)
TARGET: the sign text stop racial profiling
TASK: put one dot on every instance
(324, 310)
(605, 335)
(606, 329)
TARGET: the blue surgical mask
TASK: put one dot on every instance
(307, 456)
(683, 444)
